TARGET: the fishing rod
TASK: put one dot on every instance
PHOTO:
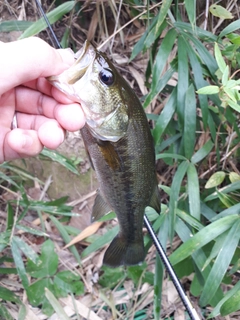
(186, 302)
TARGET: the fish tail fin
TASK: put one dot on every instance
(120, 252)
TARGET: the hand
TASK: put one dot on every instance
(42, 112)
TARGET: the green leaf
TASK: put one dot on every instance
(165, 117)
(27, 250)
(111, 277)
(183, 79)
(233, 177)
(53, 16)
(101, 241)
(220, 61)
(189, 122)
(235, 106)
(57, 157)
(221, 264)
(225, 76)
(36, 295)
(10, 217)
(193, 191)
(7, 295)
(56, 305)
(175, 189)
(220, 12)
(228, 297)
(160, 62)
(19, 263)
(191, 11)
(66, 282)
(48, 262)
(14, 25)
(208, 90)
(215, 180)
(203, 237)
(154, 32)
(197, 72)
(4, 313)
(202, 152)
(235, 25)
(66, 238)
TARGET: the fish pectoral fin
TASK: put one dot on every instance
(120, 252)
(100, 208)
(155, 201)
(109, 154)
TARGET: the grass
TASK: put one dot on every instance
(189, 64)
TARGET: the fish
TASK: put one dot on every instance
(120, 147)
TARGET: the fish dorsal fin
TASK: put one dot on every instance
(100, 208)
(155, 201)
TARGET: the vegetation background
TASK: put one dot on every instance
(182, 58)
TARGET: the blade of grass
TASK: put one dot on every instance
(221, 264)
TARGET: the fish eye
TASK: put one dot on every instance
(106, 77)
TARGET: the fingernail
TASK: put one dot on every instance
(67, 56)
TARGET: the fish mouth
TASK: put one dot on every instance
(83, 59)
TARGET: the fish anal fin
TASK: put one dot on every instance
(100, 208)
(120, 252)
(155, 201)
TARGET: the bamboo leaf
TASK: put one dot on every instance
(175, 189)
(218, 55)
(202, 152)
(64, 161)
(14, 25)
(160, 62)
(155, 32)
(165, 117)
(53, 16)
(189, 122)
(203, 237)
(228, 297)
(191, 10)
(19, 263)
(235, 25)
(27, 250)
(193, 191)
(183, 81)
(66, 238)
(56, 305)
(221, 264)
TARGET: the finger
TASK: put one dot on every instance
(30, 59)
(20, 143)
(69, 116)
(49, 131)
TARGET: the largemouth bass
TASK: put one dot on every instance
(120, 147)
